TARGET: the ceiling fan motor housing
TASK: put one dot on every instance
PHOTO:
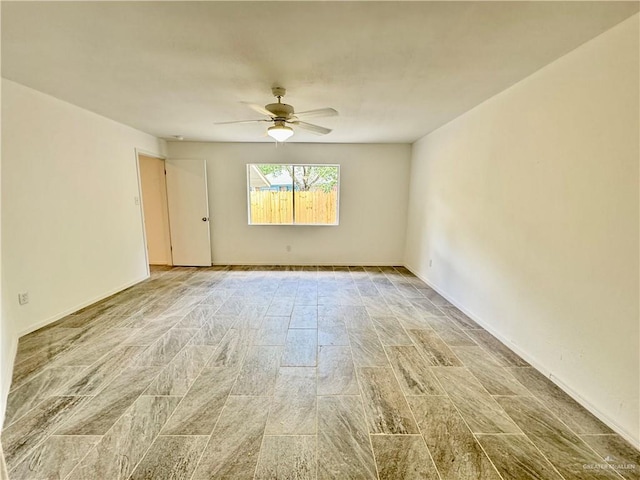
(280, 110)
(282, 114)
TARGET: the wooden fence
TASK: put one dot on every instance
(278, 207)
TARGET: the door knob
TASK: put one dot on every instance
(205, 219)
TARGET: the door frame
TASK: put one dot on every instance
(138, 152)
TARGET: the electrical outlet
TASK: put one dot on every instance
(23, 298)
(288, 248)
(136, 200)
(430, 262)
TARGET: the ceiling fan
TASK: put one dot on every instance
(283, 115)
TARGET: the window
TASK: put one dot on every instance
(293, 194)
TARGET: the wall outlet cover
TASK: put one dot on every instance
(23, 298)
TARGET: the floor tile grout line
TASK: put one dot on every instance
(82, 459)
(490, 354)
(218, 419)
(475, 439)
(315, 460)
(373, 452)
(536, 448)
(158, 342)
(189, 390)
(71, 350)
(192, 279)
(103, 436)
(197, 464)
(260, 450)
(546, 407)
(130, 407)
(365, 416)
(492, 399)
(567, 427)
(44, 439)
(411, 410)
(210, 436)
(44, 347)
(36, 405)
(501, 367)
(204, 365)
(28, 453)
(151, 444)
(553, 415)
(364, 413)
(106, 384)
(540, 399)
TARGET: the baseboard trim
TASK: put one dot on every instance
(312, 264)
(84, 304)
(6, 384)
(629, 436)
(7, 379)
(4, 473)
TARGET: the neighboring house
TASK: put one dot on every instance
(269, 182)
(282, 182)
(257, 181)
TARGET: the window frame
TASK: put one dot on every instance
(293, 191)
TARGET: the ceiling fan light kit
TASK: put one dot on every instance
(280, 132)
(282, 114)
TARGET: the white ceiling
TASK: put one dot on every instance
(394, 70)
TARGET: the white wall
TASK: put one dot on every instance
(71, 231)
(5, 343)
(528, 207)
(156, 214)
(373, 202)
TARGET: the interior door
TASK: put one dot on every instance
(188, 212)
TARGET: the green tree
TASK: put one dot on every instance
(306, 177)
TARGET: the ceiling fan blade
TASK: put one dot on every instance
(243, 121)
(319, 112)
(312, 128)
(259, 109)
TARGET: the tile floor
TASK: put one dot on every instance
(246, 372)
